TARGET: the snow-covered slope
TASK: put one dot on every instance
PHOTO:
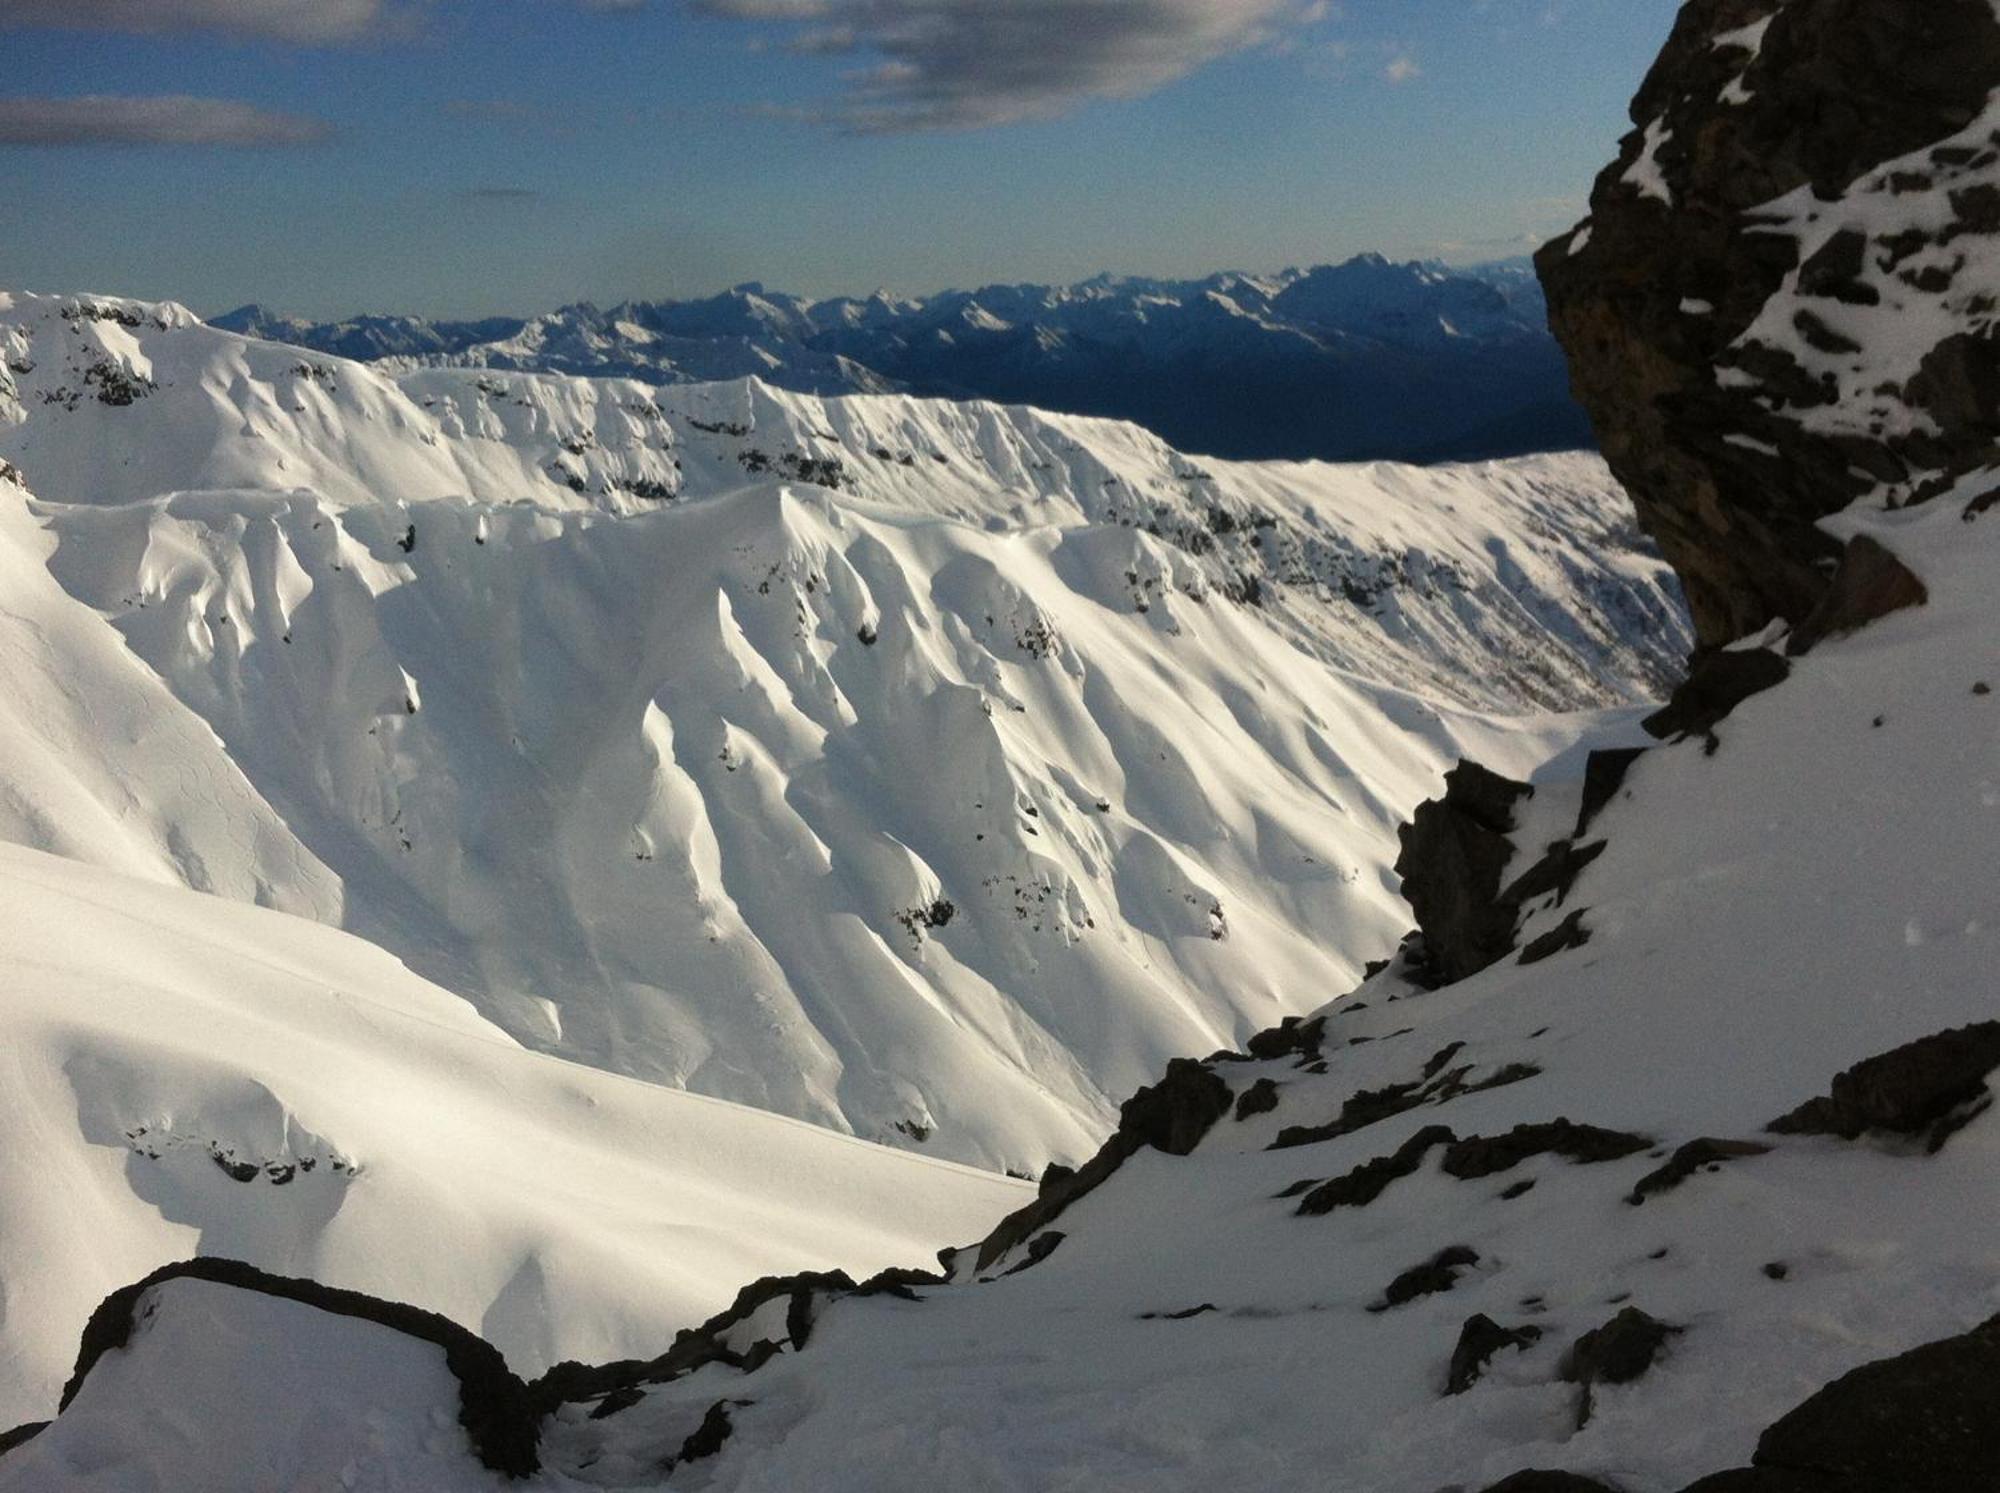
(1330, 1291)
(1662, 1157)
(182, 1075)
(930, 771)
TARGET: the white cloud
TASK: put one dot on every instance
(173, 119)
(964, 64)
(1402, 69)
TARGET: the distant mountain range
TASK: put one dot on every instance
(1366, 360)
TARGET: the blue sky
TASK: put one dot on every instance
(469, 157)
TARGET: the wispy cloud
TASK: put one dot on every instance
(171, 119)
(966, 64)
(1402, 69)
(305, 21)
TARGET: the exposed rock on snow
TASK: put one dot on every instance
(1924, 1087)
(493, 1404)
(1825, 191)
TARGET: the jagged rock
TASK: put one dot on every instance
(1604, 773)
(694, 1347)
(1728, 482)
(1039, 1249)
(1439, 1273)
(707, 1438)
(1716, 684)
(1259, 1099)
(1870, 583)
(1553, 875)
(1365, 1183)
(1484, 1155)
(1535, 1480)
(1359, 1109)
(1920, 1422)
(1171, 1116)
(1370, 1106)
(1620, 1351)
(1909, 1090)
(1478, 1340)
(1290, 1037)
(1454, 850)
(499, 1413)
(1175, 1113)
(1568, 934)
(27, 1431)
(1689, 1159)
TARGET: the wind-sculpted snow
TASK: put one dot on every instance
(185, 1075)
(930, 771)
(1596, 1237)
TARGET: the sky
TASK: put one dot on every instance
(479, 157)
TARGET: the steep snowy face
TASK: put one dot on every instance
(1700, 1190)
(931, 772)
(1784, 298)
(185, 1075)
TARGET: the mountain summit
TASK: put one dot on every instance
(1365, 360)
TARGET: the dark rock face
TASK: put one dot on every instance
(1604, 773)
(1175, 1113)
(495, 1407)
(1689, 1159)
(1361, 1186)
(695, 1347)
(1685, 271)
(27, 1431)
(1454, 850)
(1568, 934)
(1484, 1155)
(1534, 1480)
(1870, 583)
(1620, 1351)
(1259, 1099)
(1171, 1116)
(1439, 1273)
(1921, 1422)
(707, 1439)
(1917, 1089)
(1478, 1341)
(1716, 684)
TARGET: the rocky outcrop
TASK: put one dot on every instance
(1620, 1351)
(1920, 1422)
(1454, 850)
(1798, 167)
(1171, 1116)
(1928, 1087)
(1706, 1154)
(495, 1407)
(1478, 1340)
